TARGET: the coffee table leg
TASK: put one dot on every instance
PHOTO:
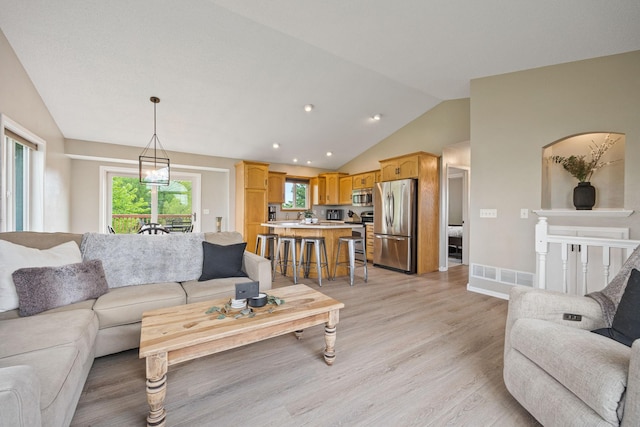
(156, 389)
(330, 338)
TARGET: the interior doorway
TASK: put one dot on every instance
(454, 212)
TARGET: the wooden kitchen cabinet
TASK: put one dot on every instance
(346, 189)
(332, 187)
(424, 167)
(252, 180)
(400, 167)
(369, 241)
(318, 190)
(364, 180)
(275, 192)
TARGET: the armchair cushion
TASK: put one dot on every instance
(625, 327)
(593, 368)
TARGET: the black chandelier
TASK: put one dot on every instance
(154, 170)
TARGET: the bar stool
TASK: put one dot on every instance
(266, 241)
(289, 242)
(316, 243)
(351, 242)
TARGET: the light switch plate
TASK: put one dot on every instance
(524, 213)
(488, 213)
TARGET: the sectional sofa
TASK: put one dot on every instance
(45, 358)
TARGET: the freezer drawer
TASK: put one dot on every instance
(395, 252)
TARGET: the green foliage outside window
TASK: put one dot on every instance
(131, 203)
(296, 195)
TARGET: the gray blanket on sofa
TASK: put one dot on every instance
(136, 259)
(610, 296)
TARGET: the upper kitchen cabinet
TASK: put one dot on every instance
(364, 180)
(253, 174)
(332, 187)
(318, 190)
(346, 189)
(275, 192)
(400, 167)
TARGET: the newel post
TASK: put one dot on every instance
(542, 247)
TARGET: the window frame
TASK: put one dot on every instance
(105, 193)
(35, 177)
(298, 180)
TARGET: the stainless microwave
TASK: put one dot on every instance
(362, 197)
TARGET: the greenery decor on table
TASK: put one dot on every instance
(224, 311)
(579, 167)
(308, 213)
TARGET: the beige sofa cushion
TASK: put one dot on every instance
(592, 367)
(58, 347)
(211, 289)
(121, 306)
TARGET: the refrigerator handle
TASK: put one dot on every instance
(393, 208)
(386, 214)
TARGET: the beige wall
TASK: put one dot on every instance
(447, 123)
(20, 101)
(513, 116)
(218, 186)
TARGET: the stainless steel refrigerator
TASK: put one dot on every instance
(394, 225)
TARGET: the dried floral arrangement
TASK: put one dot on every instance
(224, 311)
(579, 167)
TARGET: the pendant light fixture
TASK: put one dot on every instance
(154, 170)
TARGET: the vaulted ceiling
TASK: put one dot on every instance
(233, 75)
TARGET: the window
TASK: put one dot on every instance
(131, 203)
(22, 178)
(296, 194)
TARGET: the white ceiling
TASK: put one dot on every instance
(233, 75)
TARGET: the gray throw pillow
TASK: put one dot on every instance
(222, 261)
(626, 322)
(43, 288)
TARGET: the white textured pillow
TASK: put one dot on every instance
(13, 257)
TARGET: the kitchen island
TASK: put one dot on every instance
(331, 231)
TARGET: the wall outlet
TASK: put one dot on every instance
(488, 213)
(524, 213)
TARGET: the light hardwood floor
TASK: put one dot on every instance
(410, 351)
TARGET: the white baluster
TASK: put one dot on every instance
(606, 261)
(584, 257)
(564, 253)
(542, 247)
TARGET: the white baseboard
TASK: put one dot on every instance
(495, 294)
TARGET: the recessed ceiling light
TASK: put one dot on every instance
(308, 162)
(308, 108)
(329, 154)
(376, 117)
(295, 160)
(276, 145)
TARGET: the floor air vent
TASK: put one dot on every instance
(503, 275)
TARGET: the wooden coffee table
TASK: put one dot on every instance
(177, 334)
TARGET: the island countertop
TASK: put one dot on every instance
(331, 231)
(322, 225)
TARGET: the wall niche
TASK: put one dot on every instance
(558, 184)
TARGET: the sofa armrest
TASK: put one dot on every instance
(548, 305)
(258, 269)
(631, 416)
(19, 397)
